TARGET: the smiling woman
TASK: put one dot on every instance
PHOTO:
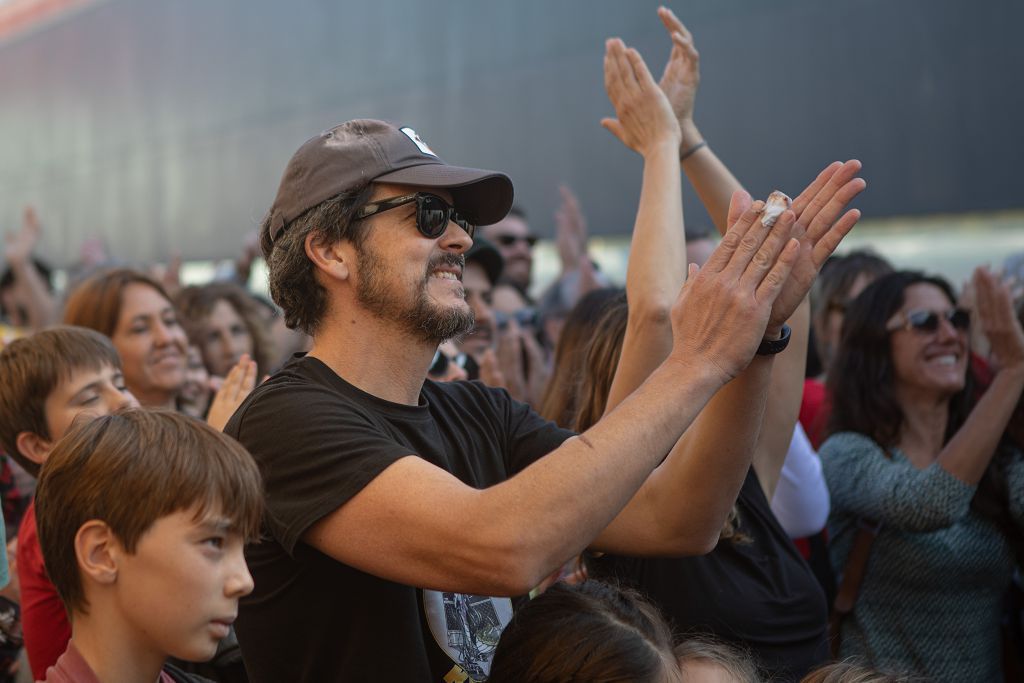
(907, 451)
(135, 312)
(224, 322)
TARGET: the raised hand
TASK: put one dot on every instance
(682, 71)
(999, 323)
(490, 370)
(819, 228)
(723, 309)
(20, 245)
(92, 253)
(239, 383)
(250, 251)
(570, 231)
(645, 117)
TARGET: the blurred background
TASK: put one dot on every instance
(154, 127)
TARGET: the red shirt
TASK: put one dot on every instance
(44, 621)
(814, 411)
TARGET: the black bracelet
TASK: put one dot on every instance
(690, 152)
(770, 347)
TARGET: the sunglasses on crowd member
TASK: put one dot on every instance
(509, 240)
(432, 213)
(439, 366)
(928, 321)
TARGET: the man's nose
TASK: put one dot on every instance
(455, 238)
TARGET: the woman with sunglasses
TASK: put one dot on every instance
(906, 454)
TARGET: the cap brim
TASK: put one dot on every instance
(482, 197)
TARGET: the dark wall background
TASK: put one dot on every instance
(165, 124)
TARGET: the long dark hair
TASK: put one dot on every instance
(861, 381)
(588, 632)
(562, 394)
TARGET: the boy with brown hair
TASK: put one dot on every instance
(51, 379)
(142, 518)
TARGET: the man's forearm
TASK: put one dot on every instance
(504, 539)
(604, 466)
(681, 507)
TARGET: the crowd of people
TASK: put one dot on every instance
(756, 461)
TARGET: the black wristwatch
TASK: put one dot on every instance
(774, 346)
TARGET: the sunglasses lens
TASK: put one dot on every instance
(928, 321)
(531, 240)
(925, 321)
(431, 215)
(960, 319)
(439, 365)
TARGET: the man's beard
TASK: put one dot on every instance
(422, 318)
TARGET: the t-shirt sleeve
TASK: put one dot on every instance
(801, 502)
(865, 483)
(315, 453)
(530, 436)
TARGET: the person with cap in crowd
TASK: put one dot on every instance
(497, 350)
(515, 242)
(480, 275)
(395, 506)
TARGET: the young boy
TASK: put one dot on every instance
(50, 380)
(142, 518)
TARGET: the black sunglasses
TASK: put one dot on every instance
(432, 213)
(439, 366)
(928, 321)
(509, 240)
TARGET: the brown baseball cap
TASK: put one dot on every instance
(364, 150)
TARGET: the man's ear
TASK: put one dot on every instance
(331, 258)
(33, 446)
(97, 551)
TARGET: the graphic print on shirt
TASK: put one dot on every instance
(467, 627)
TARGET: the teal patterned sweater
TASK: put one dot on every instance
(932, 596)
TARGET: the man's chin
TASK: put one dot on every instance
(441, 323)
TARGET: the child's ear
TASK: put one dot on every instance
(33, 446)
(96, 548)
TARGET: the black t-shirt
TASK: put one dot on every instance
(760, 595)
(318, 441)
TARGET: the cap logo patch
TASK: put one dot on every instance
(415, 137)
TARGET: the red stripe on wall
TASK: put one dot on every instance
(18, 16)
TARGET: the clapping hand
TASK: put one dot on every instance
(819, 228)
(645, 117)
(239, 383)
(999, 324)
(723, 309)
(681, 77)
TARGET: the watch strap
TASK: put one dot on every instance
(770, 347)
